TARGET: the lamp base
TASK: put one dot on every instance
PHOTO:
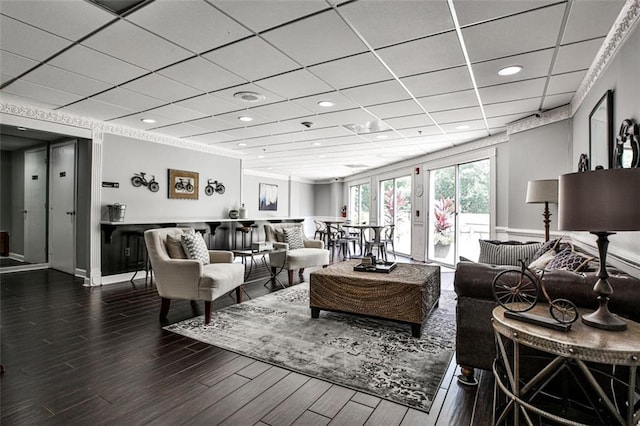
(603, 319)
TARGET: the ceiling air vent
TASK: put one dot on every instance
(249, 97)
(119, 7)
(368, 127)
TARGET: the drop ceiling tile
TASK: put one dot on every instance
(503, 120)
(590, 19)
(373, 19)
(93, 64)
(212, 124)
(161, 87)
(340, 102)
(274, 128)
(227, 95)
(396, 109)
(176, 113)
(242, 133)
(207, 27)
(14, 65)
(528, 106)
(96, 109)
(210, 138)
(577, 56)
(512, 91)
(409, 121)
(71, 19)
(60, 79)
(439, 82)
(208, 105)
(179, 130)
(387, 136)
(40, 93)
(473, 11)
(252, 58)
(282, 110)
(424, 55)
(5, 78)
(137, 46)
(564, 83)
(463, 137)
(201, 74)
(469, 125)
(453, 100)
(536, 64)
(135, 121)
(261, 15)
(315, 39)
(317, 120)
(376, 93)
(352, 71)
(295, 84)
(457, 115)
(128, 99)
(232, 118)
(15, 99)
(27, 41)
(526, 32)
(554, 101)
(357, 115)
(317, 134)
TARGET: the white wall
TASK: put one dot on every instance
(123, 157)
(250, 196)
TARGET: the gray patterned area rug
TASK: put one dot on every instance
(374, 356)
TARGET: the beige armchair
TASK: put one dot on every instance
(188, 279)
(313, 253)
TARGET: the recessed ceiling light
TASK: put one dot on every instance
(316, 143)
(326, 104)
(242, 144)
(260, 156)
(245, 118)
(249, 97)
(22, 129)
(321, 156)
(510, 70)
(462, 127)
(148, 120)
(382, 136)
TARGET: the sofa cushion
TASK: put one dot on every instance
(545, 247)
(293, 237)
(506, 252)
(195, 248)
(174, 247)
(569, 260)
(542, 261)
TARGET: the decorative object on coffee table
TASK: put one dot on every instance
(543, 191)
(601, 201)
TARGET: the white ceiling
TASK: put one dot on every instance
(394, 69)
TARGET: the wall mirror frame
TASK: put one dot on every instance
(601, 132)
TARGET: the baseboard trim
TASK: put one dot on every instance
(23, 268)
(117, 278)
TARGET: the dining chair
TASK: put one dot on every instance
(388, 238)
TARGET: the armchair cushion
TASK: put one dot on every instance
(195, 248)
(293, 237)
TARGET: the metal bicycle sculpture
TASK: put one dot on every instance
(140, 180)
(517, 290)
(214, 186)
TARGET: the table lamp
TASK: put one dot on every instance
(600, 201)
(543, 191)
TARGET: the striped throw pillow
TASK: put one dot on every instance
(500, 253)
(293, 237)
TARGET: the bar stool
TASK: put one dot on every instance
(244, 230)
(141, 260)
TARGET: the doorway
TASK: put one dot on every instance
(35, 205)
(396, 210)
(62, 210)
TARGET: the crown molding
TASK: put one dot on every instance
(541, 119)
(97, 126)
(626, 20)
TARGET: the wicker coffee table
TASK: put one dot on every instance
(406, 294)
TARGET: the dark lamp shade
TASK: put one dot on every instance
(600, 200)
(542, 191)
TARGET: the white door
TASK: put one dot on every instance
(35, 206)
(62, 213)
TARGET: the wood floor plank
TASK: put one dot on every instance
(293, 407)
(366, 399)
(352, 414)
(309, 418)
(387, 413)
(332, 401)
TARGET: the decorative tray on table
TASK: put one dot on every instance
(384, 267)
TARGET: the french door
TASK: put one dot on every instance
(460, 211)
(396, 210)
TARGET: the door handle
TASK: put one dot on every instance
(24, 211)
(71, 213)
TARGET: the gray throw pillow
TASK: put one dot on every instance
(293, 237)
(174, 247)
(195, 248)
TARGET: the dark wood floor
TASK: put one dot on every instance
(78, 355)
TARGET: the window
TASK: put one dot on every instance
(359, 203)
(396, 210)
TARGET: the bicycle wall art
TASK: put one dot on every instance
(183, 184)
